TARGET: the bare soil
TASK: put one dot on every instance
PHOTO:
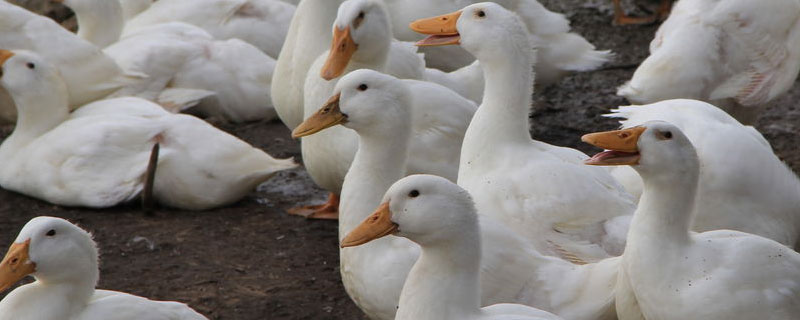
(253, 261)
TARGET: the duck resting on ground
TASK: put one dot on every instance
(98, 156)
(440, 217)
(668, 272)
(63, 259)
(736, 54)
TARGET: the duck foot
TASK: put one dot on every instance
(150, 176)
(621, 19)
(327, 211)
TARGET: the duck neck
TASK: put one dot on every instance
(507, 99)
(447, 272)
(378, 163)
(77, 286)
(100, 22)
(38, 111)
(665, 210)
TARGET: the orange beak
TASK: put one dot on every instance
(327, 116)
(378, 225)
(16, 265)
(441, 30)
(342, 49)
(4, 56)
(621, 145)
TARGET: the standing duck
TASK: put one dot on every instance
(543, 192)
(668, 272)
(63, 259)
(440, 217)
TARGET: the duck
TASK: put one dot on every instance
(737, 55)
(107, 153)
(381, 109)
(131, 8)
(62, 258)
(620, 18)
(308, 37)
(362, 26)
(669, 272)
(262, 23)
(89, 74)
(756, 194)
(541, 191)
(441, 219)
(175, 59)
(440, 118)
(560, 52)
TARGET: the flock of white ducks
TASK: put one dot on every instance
(472, 213)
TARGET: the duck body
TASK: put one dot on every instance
(756, 193)
(668, 272)
(97, 157)
(176, 59)
(308, 36)
(66, 275)
(753, 59)
(89, 73)
(262, 23)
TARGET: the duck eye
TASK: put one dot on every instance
(362, 87)
(361, 15)
(51, 233)
(668, 135)
(413, 194)
(480, 14)
(31, 65)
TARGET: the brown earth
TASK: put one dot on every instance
(253, 261)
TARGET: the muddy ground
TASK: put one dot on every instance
(253, 261)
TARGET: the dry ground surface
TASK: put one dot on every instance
(253, 261)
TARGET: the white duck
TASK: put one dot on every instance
(262, 23)
(380, 109)
(89, 74)
(99, 156)
(559, 51)
(441, 218)
(361, 39)
(131, 8)
(541, 191)
(737, 54)
(440, 117)
(177, 59)
(63, 259)
(668, 272)
(756, 193)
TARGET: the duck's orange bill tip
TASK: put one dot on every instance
(378, 225)
(16, 265)
(342, 49)
(5, 55)
(621, 145)
(327, 116)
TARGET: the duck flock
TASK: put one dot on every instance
(447, 208)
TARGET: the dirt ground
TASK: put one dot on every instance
(253, 261)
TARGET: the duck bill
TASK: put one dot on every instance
(378, 225)
(327, 116)
(621, 147)
(4, 56)
(342, 49)
(441, 30)
(16, 265)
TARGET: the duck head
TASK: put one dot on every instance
(484, 29)
(53, 251)
(362, 31)
(423, 208)
(656, 147)
(25, 74)
(365, 101)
